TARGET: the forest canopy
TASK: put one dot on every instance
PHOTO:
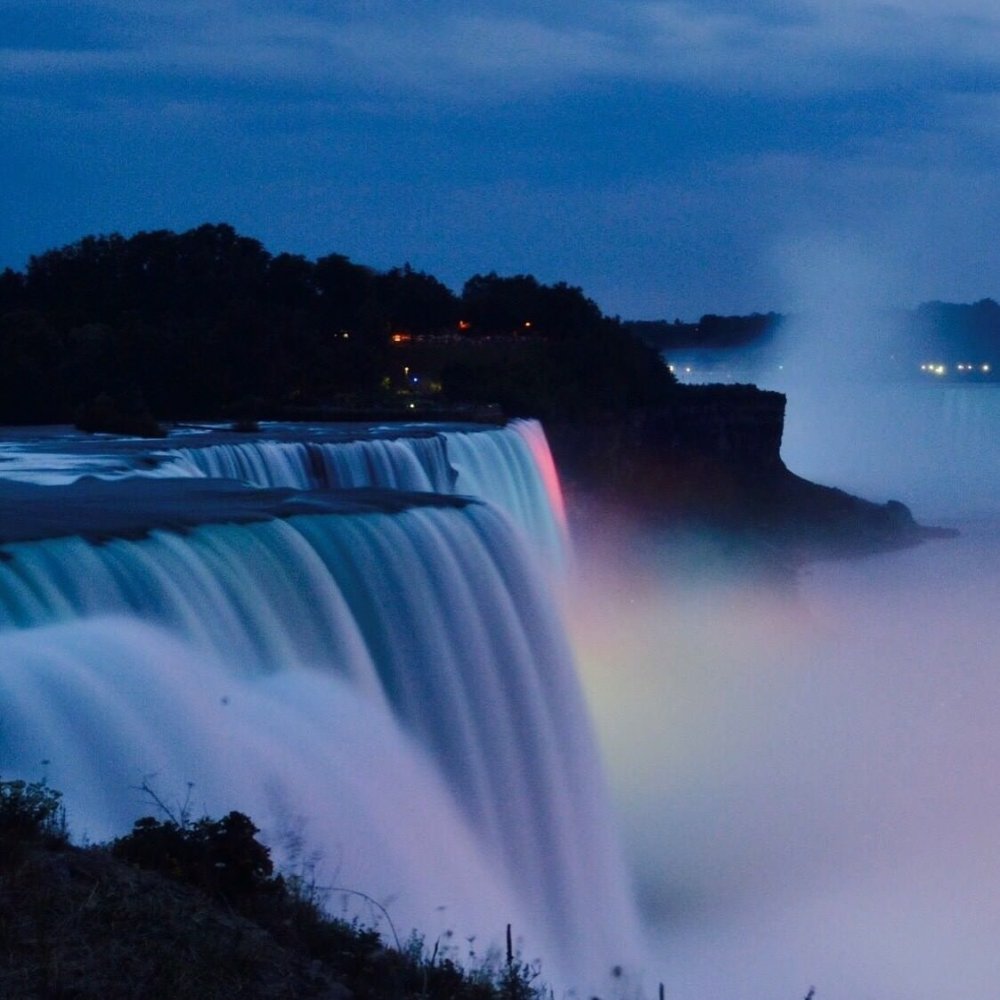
(207, 323)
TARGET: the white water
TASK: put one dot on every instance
(397, 683)
(509, 466)
(934, 445)
(110, 702)
(807, 779)
(413, 463)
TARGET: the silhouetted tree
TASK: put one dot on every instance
(346, 291)
(952, 332)
(415, 301)
(30, 354)
(11, 291)
(492, 304)
(206, 322)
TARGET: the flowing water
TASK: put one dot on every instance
(803, 778)
(379, 675)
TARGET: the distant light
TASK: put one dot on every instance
(413, 406)
(940, 370)
(464, 324)
(671, 367)
(688, 369)
(986, 368)
(527, 323)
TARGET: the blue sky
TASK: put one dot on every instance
(671, 158)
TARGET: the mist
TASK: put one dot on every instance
(805, 774)
(857, 416)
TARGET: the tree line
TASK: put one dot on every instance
(710, 331)
(208, 323)
(934, 331)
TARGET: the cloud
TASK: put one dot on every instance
(474, 53)
(438, 52)
(815, 47)
(48, 62)
(658, 152)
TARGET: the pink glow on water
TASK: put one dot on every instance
(533, 435)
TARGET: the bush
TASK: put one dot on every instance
(221, 856)
(73, 925)
(30, 811)
(129, 416)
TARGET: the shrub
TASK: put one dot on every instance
(30, 811)
(221, 856)
(78, 928)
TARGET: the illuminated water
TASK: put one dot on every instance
(383, 673)
(511, 466)
(805, 779)
(808, 780)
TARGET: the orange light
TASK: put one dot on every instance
(464, 324)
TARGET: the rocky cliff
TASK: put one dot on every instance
(710, 459)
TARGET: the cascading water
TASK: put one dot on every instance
(392, 676)
(511, 467)
(412, 463)
(111, 702)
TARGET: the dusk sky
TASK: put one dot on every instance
(671, 158)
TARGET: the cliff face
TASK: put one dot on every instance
(711, 459)
(698, 453)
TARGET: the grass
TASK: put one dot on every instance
(193, 910)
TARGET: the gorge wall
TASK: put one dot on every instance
(710, 459)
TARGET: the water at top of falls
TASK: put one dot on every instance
(99, 509)
(416, 464)
(509, 467)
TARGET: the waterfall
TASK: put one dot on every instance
(386, 668)
(112, 702)
(510, 467)
(410, 463)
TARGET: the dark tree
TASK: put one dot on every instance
(206, 323)
(31, 390)
(952, 332)
(522, 305)
(415, 301)
(495, 305)
(346, 292)
(11, 291)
